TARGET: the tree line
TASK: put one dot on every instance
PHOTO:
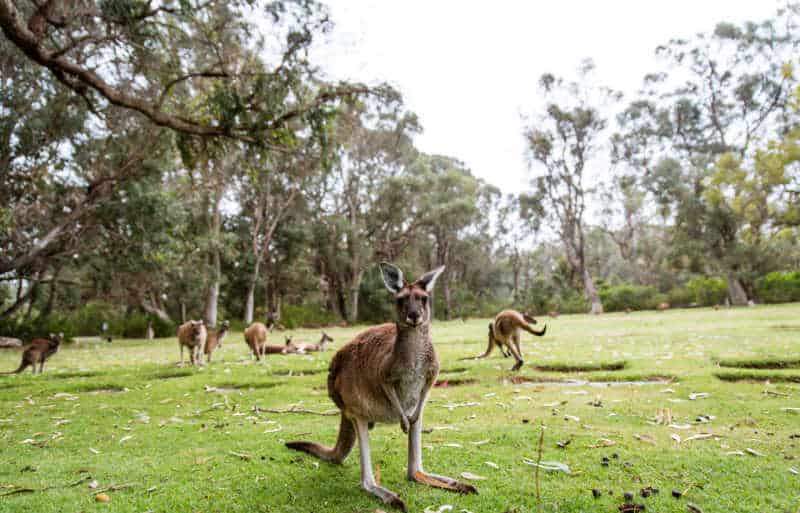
(186, 160)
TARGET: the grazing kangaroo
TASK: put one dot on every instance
(504, 332)
(38, 351)
(214, 339)
(192, 335)
(305, 347)
(384, 375)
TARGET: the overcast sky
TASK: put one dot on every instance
(470, 69)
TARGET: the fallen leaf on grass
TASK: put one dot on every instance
(735, 453)
(472, 477)
(244, 456)
(603, 442)
(698, 395)
(572, 417)
(791, 409)
(275, 430)
(481, 442)
(794, 471)
(94, 484)
(699, 436)
(754, 452)
(452, 444)
(102, 497)
(548, 465)
(492, 464)
(442, 509)
(693, 509)
(680, 426)
(125, 438)
(675, 437)
(645, 438)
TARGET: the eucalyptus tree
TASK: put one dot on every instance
(719, 94)
(562, 143)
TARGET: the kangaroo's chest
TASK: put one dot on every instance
(411, 377)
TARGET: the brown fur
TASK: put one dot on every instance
(384, 375)
(255, 336)
(192, 335)
(38, 351)
(504, 332)
(307, 347)
(214, 339)
(663, 306)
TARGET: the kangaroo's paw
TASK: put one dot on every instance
(443, 482)
(517, 366)
(387, 496)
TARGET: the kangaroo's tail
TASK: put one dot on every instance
(335, 454)
(21, 368)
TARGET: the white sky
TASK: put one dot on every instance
(470, 69)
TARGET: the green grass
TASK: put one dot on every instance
(761, 363)
(187, 440)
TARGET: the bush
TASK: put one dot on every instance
(680, 297)
(306, 316)
(708, 291)
(626, 295)
(573, 303)
(779, 287)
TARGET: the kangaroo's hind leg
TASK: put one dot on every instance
(367, 477)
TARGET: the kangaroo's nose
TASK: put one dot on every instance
(413, 316)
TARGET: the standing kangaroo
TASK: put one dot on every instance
(506, 329)
(384, 375)
(193, 335)
(305, 347)
(39, 350)
(214, 339)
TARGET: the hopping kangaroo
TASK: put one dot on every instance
(192, 335)
(214, 339)
(504, 332)
(39, 350)
(305, 347)
(384, 375)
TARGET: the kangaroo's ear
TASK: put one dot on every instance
(52, 335)
(392, 277)
(428, 280)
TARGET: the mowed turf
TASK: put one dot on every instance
(168, 439)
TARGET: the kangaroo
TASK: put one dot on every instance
(504, 332)
(305, 347)
(384, 375)
(214, 339)
(192, 335)
(38, 351)
(255, 336)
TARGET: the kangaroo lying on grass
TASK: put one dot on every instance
(214, 339)
(506, 329)
(39, 350)
(306, 347)
(192, 335)
(384, 375)
(256, 338)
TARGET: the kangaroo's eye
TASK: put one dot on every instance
(424, 300)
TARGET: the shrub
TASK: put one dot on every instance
(708, 291)
(626, 295)
(779, 287)
(680, 297)
(308, 316)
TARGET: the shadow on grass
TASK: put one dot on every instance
(588, 367)
(447, 383)
(595, 380)
(761, 363)
(172, 373)
(297, 372)
(757, 377)
(247, 386)
(453, 370)
(75, 374)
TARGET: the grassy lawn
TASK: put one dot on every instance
(169, 439)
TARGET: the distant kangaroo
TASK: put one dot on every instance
(192, 335)
(38, 351)
(214, 339)
(384, 375)
(305, 347)
(255, 336)
(506, 329)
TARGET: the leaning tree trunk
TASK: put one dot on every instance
(591, 292)
(250, 300)
(355, 286)
(154, 306)
(212, 300)
(736, 291)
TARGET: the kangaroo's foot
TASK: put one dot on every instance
(443, 482)
(517, 366)
(386, 495)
